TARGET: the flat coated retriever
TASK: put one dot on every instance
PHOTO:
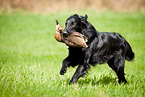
(102, 47)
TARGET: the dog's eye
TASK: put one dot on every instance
(72, 23)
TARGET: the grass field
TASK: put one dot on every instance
(30, 57)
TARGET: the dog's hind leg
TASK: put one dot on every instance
(117, 64)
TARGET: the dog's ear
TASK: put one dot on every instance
(84, 21)
(83, 24)
(84, 18)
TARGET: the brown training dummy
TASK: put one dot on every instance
(75, 39)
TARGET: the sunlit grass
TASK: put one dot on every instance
(30, 57)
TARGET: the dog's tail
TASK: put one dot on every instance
(129, 55)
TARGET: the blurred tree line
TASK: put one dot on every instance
(51, 5)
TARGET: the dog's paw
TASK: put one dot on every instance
(122, 81)
(71, 82)
(62, 72)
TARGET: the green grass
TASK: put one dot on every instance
(30, 57)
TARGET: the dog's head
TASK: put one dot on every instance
(75, 23)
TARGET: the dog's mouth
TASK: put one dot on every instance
(75, 39)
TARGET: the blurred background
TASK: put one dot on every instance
(30, 57)
(55, 5)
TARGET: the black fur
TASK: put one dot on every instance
(102, 47)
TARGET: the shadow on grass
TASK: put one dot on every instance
(103, 80)
(93, 81)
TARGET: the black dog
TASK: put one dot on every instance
(102, 47)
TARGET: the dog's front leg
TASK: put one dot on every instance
(81, 70)
(64, 65)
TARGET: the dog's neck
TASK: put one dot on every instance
(90, 30)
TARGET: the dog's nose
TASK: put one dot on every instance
(65, 33)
